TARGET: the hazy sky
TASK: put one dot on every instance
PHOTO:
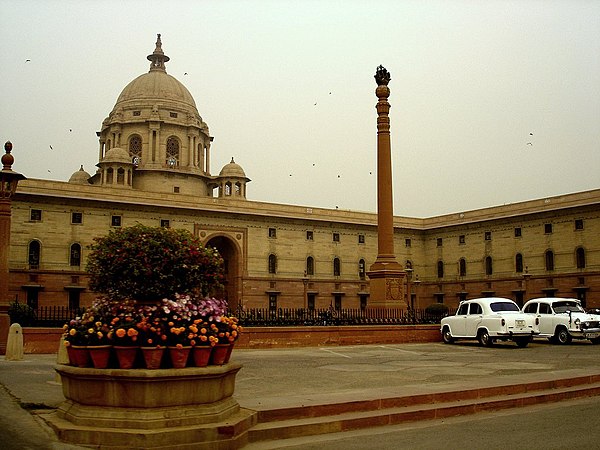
(287, 88)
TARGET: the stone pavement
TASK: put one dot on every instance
(277, 378)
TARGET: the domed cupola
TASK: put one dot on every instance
(156, 124)
(80, 177)
(232, 181)
(116, 168)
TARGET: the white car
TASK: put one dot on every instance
(563, 319)
(489, 319)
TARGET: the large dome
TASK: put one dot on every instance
(155, 86)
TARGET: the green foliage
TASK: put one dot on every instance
(152, 263)
(437, 309)
(21, 313)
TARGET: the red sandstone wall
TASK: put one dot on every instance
(46, 340)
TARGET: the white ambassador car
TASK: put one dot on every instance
(563, 319)
(489, 319)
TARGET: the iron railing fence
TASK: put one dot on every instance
(44, 316)
(256, 317)
(57, 316)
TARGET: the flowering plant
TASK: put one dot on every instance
(149, 263)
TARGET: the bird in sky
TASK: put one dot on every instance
(51, 148)
(27, 60)
(529, 143)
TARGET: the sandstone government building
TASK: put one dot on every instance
(154, 168)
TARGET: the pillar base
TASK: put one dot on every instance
(387, 285)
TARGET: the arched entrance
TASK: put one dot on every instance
(231, 256)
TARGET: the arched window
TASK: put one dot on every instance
(272, 263)
(172, 152)
(75, 256)
(109, 176)
(462, 267)
(440, 269)
(488, 265)
(519, 263)
(408, 264)
(310, 266)
(135, 149)
(549, 260)
(336, 267)
(120, 175)
(361, 269)
(228, 188)
(34, 251)
(580, 257)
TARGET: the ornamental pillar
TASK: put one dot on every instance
(386, 274)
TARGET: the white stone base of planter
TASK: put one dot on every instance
(140, 408)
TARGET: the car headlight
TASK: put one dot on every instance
(577, 322)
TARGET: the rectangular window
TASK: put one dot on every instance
(76, 217)
(173, 115)
(165, 223)
(337, 302)
(115, 221)
(361, 238)
(439, 242)
(461, 239)
(309, 235)
(272, 302)
(311, 300)
(548, 228)
(336, 237)
(579, 224)
(137, 113)
(35, 215)
(518, 232)
(272, 233)
(176, 189)
(407, 242)
(488, 236)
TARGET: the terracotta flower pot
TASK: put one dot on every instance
(126, 356)
(219, 354)
(100, 355)
(79, 355)
(179, 356)
(201, 355)
(153, 356)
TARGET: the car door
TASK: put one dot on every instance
(473, 319)
(460, 319)
(547, 319)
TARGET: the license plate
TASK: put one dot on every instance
(520, 323)
(592, 335)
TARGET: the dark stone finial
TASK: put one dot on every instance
(382, 76)
(7, 159)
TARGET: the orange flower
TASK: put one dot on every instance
(121, 332)
(132, 332)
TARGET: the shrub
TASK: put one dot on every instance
(21, 313)
(151, 263)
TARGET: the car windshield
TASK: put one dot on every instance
(562, 307)
(504, 306)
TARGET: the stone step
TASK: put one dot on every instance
(357, 415)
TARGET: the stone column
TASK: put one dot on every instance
(8, 185)
(386, 274)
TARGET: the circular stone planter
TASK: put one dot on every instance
(142, 408)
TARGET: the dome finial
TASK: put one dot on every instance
(158, 58)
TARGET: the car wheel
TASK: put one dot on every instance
(447, 336)
(562, 336)
(484, 338)
(523, 341)
(595, 341)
